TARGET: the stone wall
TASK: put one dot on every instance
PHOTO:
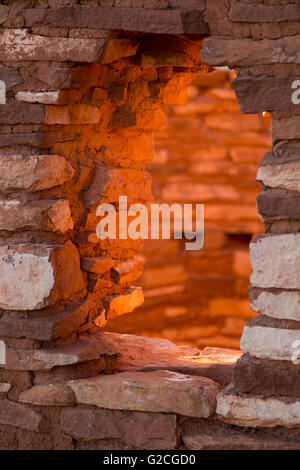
(85, 85)
(208, 153)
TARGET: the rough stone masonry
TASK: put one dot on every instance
(85, 83)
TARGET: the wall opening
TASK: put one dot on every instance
(209, 154)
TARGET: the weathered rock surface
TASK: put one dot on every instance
(44, 214)
(34, 276)
(124, 303)
(52, 394)
(19, 45)
(46, 328)
(269, 343)
(44, 97)
(255, 13)
(143, 430)
(109, 184)
(244, 52)
(266, 377)
(159, 391)
(33, 173)
(275, 261)
(128, 19)
(286, 128)
(286, 176)
(276, 304)
(22, 113)
(258, 94)
(278, 204)
(86, 348)
(19, 415)
(256, 411)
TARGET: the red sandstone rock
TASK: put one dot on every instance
(52, 394)
(46, 328)
(19, 415)
(35, 276)
(51, 215)
(124, 303)
(128, 19)
(253, 13)
(86, 348)
(34, 172)
(143, 430)
(159, 391)
(18, 45)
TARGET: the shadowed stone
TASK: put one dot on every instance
(128, 19)
(143, 430)
(256, 411)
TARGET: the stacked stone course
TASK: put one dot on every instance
(85, 83)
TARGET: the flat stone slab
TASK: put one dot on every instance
(158, 391)
(277, 304)
(275, 261)
(33, 172)
(269, 343)
(142, 430)
(257, 411)
(227, 441)
(52, 394)
(138, 353)
(266, 377)
(18, 415)
(128, 19)
(86, 348)
(19, 45)
(58, 325)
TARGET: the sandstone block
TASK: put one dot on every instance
(269, 343)
(97, 265)
(266, 377)
(89, 347)
(45, 214)
(10, 76)
(258, 94)
(142, 430)
(33, 172)
(255, 13)
(21, 416)
(275, 261)
(277, 304)
(244, 52)
(22, 113)
(281, 175)
(52, 394)
(44, 97)
(19, 45)
(128, 19)
(127, 271)
(278, 204)
(257, 412)
(109, 184)
(124, 303)
(34, 276)
(58, 325)
(288, 128)
(159, 391)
